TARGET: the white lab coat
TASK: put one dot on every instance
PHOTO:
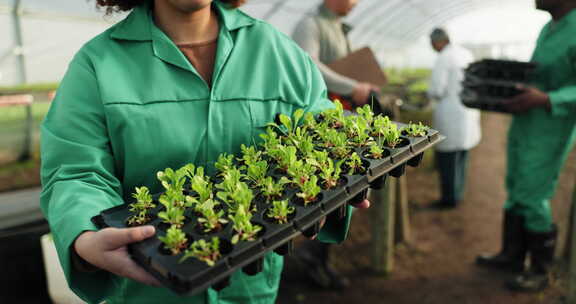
(460, 125)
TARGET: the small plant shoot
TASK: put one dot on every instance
(280, 211)
(205, 251)
(175, 240)
(415, 130)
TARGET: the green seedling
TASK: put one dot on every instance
(175, 240)
(330, 173)
(280, 211)
(250, 155)
(415, 130)
(173, 216)
(375, 151)
(288, 125)
(303, 142)
(171, 179)
(141, 207)
(337, 143)
(300, 171)
(285, 156)
(392, 136)
(357, 129)
(202, 186)
(174, 198)
(207, 252)
(380, 126)
(224, 163)
(256, 172)
(366, 113)
(354, 163)
(271, 140)
(335, 117)
(242, 225)
(241, 197)
(231, 178)
(143, 198)
(211, 220)
(309, 191)
(309, 121)
(273, 190)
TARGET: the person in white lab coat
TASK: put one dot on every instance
(461, 125)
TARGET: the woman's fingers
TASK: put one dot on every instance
(106, 249)
(365, 204)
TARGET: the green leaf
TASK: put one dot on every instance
(286, 121)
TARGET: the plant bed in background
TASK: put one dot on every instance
(305, 169)
(490, 82)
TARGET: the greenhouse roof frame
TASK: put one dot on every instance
(382, 25)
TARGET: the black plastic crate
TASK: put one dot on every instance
(502, 70)
(488, 83)
(193, 276)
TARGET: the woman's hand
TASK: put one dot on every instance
(106, 249)
(529, 99)
(365, 204)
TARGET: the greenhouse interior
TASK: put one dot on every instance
(379, 151)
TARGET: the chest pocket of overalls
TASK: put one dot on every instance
(147, 137)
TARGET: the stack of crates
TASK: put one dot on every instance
(488, 83)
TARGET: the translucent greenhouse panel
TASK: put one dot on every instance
(48, 52)
(67, 7)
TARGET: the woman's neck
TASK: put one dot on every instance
(561, 11)
(186, 25)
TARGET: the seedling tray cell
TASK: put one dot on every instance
(193, 276)
(398, 157)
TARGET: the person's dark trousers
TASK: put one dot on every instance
(452, 168)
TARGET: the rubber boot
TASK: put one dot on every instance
(513, 253)
(541, 247)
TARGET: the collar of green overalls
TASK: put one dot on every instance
(138, 26)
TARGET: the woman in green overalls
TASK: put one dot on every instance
(176, 82)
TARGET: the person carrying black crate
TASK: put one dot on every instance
(541, 135)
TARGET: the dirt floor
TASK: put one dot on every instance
(14, 176)
(437, 266)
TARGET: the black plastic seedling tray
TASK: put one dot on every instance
(488, 83)
(488, 95)
(193, 276)
(502, 70)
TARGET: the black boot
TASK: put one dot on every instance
(513, 254)
(541, 248)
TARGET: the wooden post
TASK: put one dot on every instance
(403, 233)
(382, 215)
(572, 246)
(26, 153)
(26, 101)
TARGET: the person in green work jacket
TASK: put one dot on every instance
(542, 133)
(176, 82)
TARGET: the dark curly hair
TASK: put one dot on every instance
(112, 6)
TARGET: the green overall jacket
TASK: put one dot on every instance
(540, 140)
(131, 104)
